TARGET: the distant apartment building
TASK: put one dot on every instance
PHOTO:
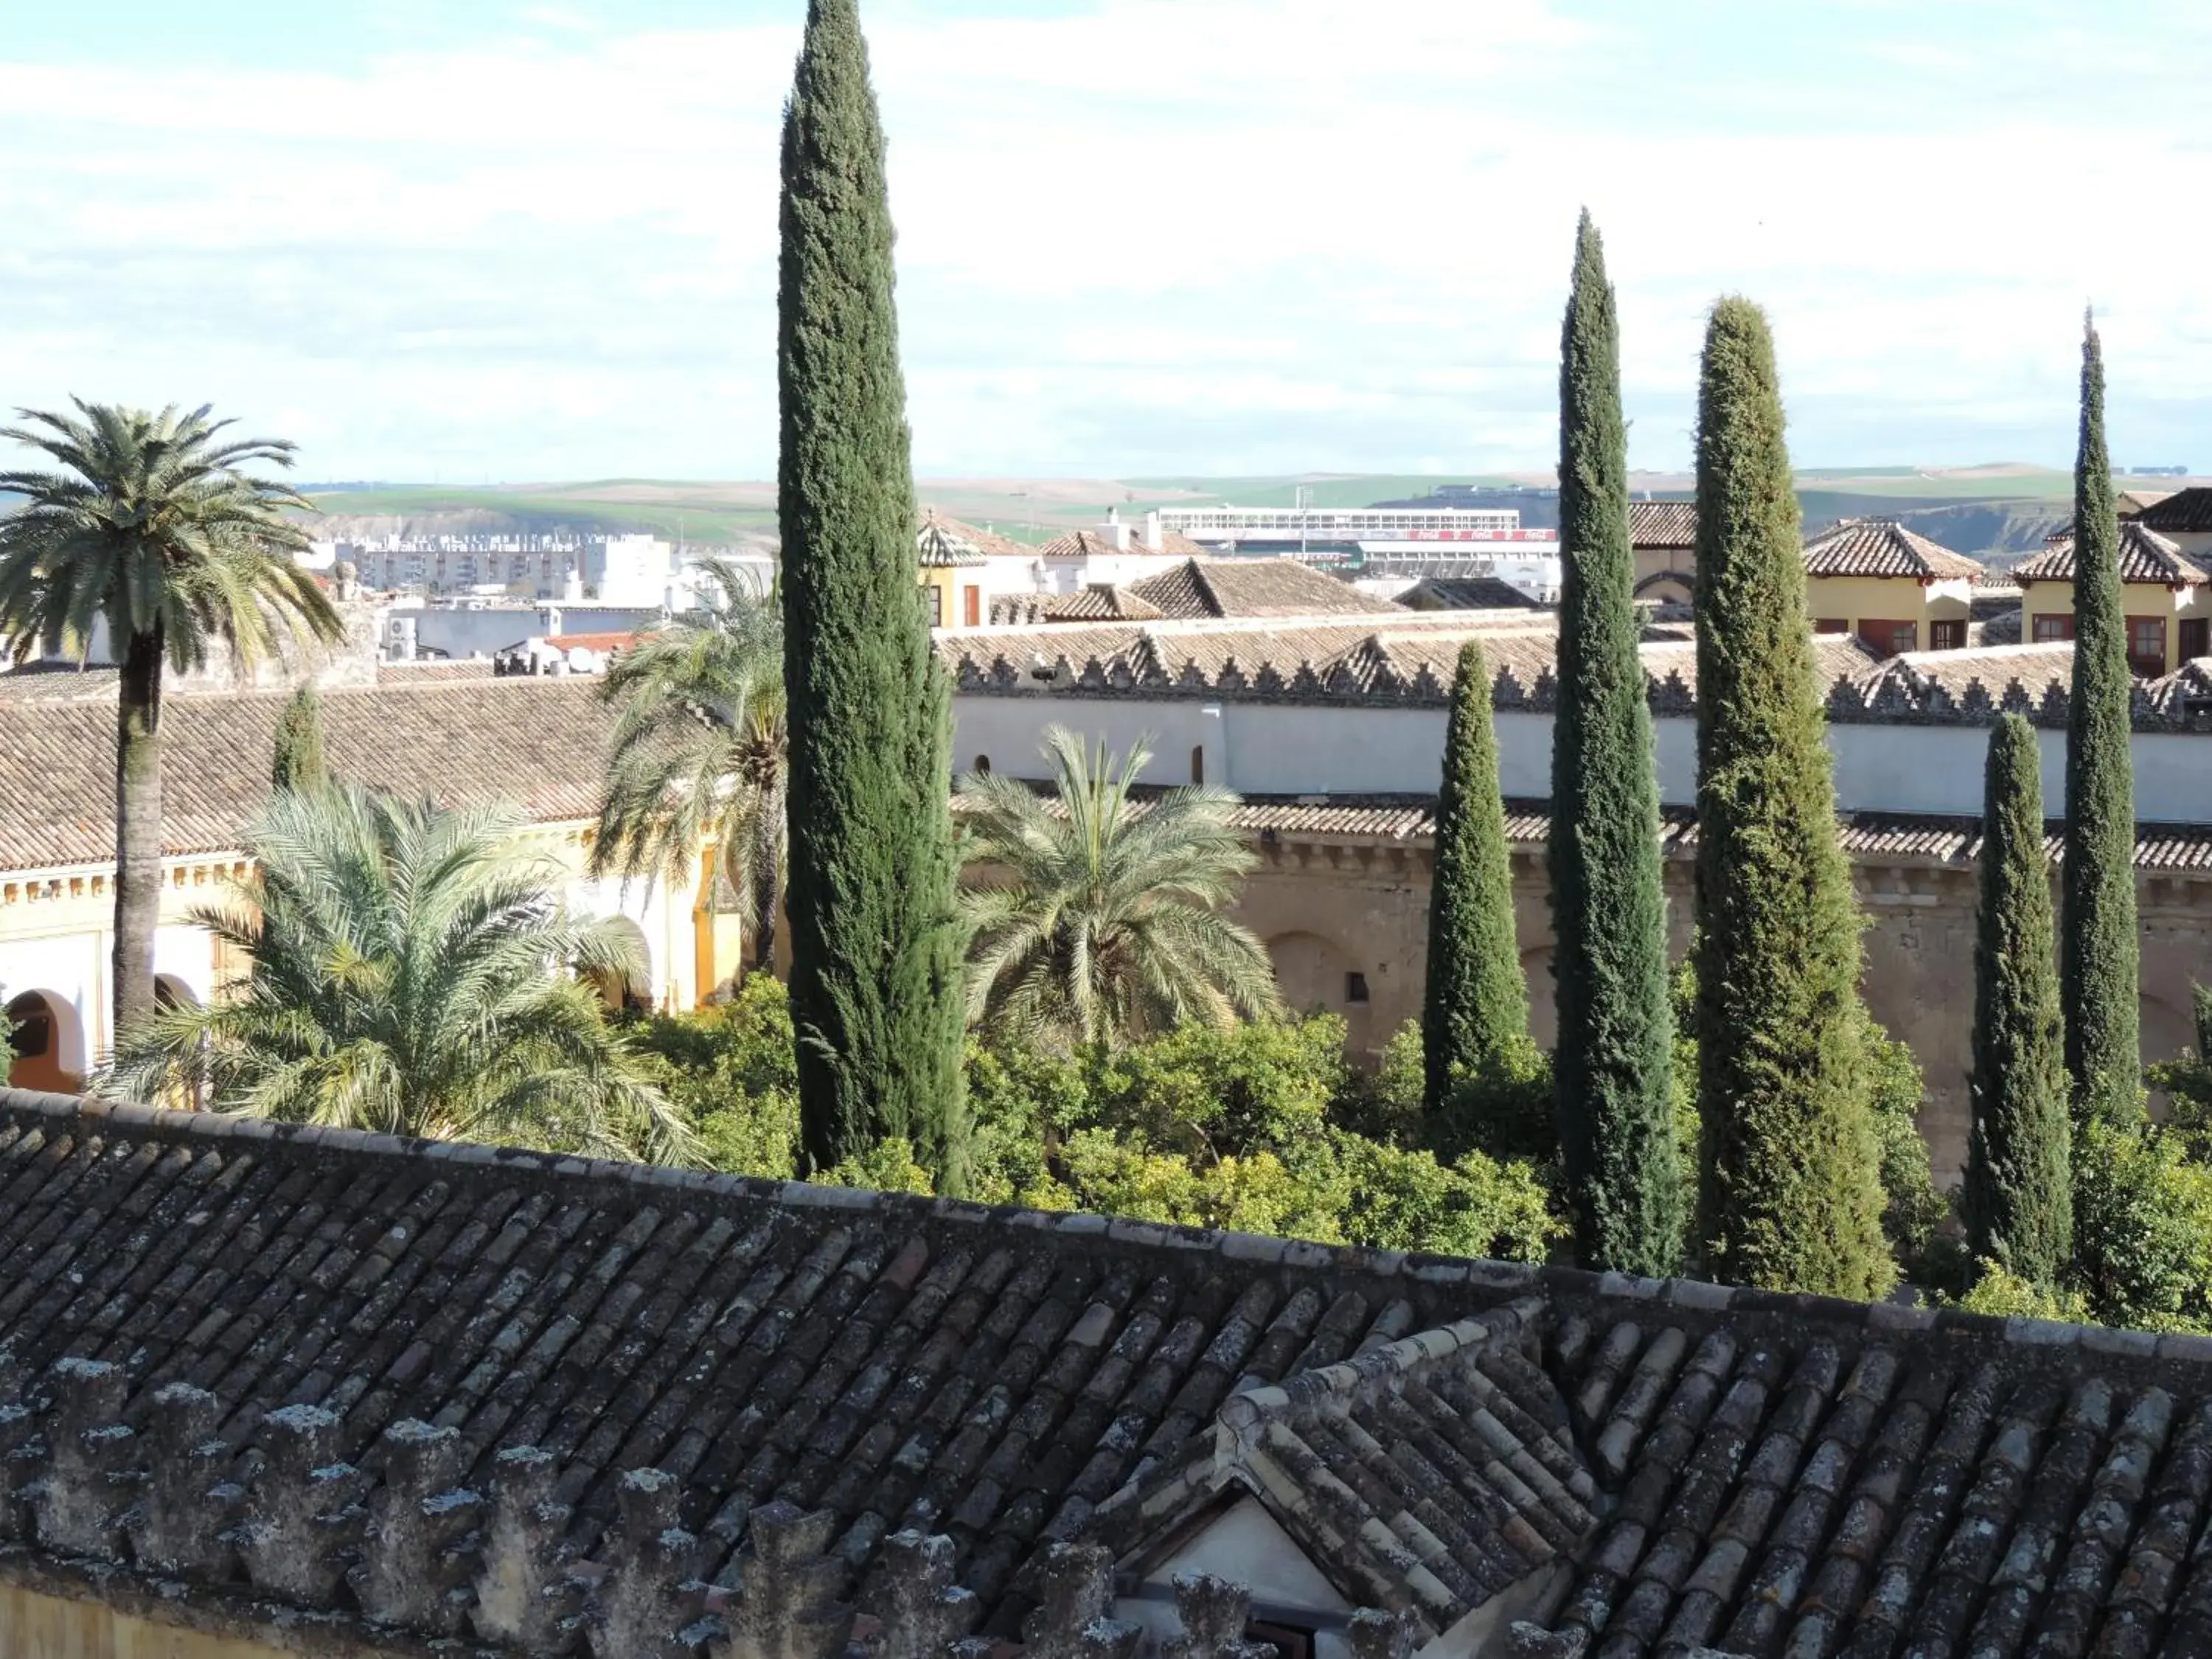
(634, 570)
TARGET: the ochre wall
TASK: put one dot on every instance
(35, 1626)
(1858, 599)
(1326, 909)
(2050, 598)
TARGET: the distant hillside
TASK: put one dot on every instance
(1996, 512)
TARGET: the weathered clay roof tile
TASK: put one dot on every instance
(2145, 557)
(530, 740)
(1883, 547)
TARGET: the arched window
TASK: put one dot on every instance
(982, 766)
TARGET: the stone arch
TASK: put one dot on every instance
(1668, 587)
(633, 994)
(48, 1038)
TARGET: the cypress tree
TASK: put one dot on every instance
(298, 762)
(1613, 1067)
(2019, 1199)
(1791, 1190)
(1477, 1009)
(2097, 961)
(875, 991)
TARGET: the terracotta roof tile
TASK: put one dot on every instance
(945, 544)
(531, 740)
(623, 1383)
(1663, 525)
(1882, 547)
(1253, 587)
(2188, 511)
(2145, 557)
(1466, 593)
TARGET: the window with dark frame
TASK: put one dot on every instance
(2051, 630)
(1831, 625)
(1949, 635)
(1888, 636)
(2196, 638)
(1355, 989)
(2147, 645)
(1198, 763)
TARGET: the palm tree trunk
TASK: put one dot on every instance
(137, 829)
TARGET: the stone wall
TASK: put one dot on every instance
(1330, 908)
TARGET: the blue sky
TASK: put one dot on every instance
(505, 241)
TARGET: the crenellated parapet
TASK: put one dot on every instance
(252, 1538)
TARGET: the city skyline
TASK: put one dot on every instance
(1210, 236)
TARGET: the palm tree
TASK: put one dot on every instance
(152, 528)
(1100, 920)
(700, 751)
(409, 977)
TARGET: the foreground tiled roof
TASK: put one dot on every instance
(1660, 525)
(534, 741)
(1253, 587)
(2145, 557)
(1883, 547)
(2188, 511)
(496, 1398)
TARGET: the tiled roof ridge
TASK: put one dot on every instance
(1506, 1280)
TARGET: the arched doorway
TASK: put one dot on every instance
(48, 1039)
(631, 993)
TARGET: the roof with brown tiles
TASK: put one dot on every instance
(2145, 557)
(944, 540)
(531, 740)
(1663, 526)
(1253, 587)
(2188, 511)
(1466, 593)
(669, 1381)
(1883, 547)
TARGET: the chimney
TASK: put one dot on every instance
(1152, 532)
(1117, 533)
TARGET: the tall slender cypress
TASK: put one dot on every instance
(2097, 961)
(2019, 1198)
(1791, 1190)
(875, 989)
(1477, 1009)
(298, 759)
(1614, 1066)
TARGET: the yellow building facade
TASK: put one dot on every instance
(1898, 592)
(533, 741)
(2165, 595)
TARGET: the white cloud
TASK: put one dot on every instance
(1163, 234)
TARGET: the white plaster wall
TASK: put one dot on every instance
(69, 968)
(187, 955)
(659, 914)
(1010, 729)
(1281, 748)
(1246, 1546)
